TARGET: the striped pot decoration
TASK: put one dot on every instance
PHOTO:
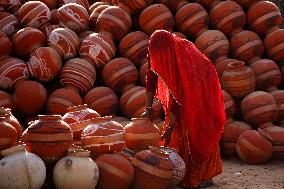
(279, 99)
(277, 135)
(84, 3)
(95, 15)
(230, 106)
(132, 7)
(9, 24)
(274, 46)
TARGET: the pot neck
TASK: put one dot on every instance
(50, 118)
(77, 108)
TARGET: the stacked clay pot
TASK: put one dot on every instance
(9, 23)
(274, 44)
(230, 106)
(8, 134)
(279, 99)
(5, 44)
(95, 14)
(84, 3)
(132, 7)
(174, 6)
(9, 118)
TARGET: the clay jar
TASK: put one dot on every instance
(238, 80)
(84, 3)
(274, 46)
(8, 134)
(279, 99)
(76, 117)
(76, 170)
(132, 7)
(264, 17)
(97, 4)
(192, 19)
(49, 137)
(21, 169)
(114, 22)
(253, 147)
(214, 44)
(259, 109)
(246, 3)
(103, 100)
(224, 65)
(78, 75)
(34, 14)
(115, 171)
(230, 106)
(65, 42)
(174, 6)
(94, 16)
(153, 169)
(9, 118)
(156, 17)
(9, 24)
(267, 75)
(5, 45)
(6, 100)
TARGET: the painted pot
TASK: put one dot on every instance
(8, 134)
(9, 24)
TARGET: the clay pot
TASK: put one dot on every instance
(153, 169)
(194, 23)
(120, 74)
(246, 46)
(142, 74)
(253, 147)
(9, 24)
(21, 169)
(94, 16)
(74, 16)
(83, 35)
(127, 153)
(8, 134)
(214, 44)
(47, 30)
(65, 41)
(51, 4)
(246, 3)
(279, 99)
(267, 75)
(115, 171)
(9, 118)
(132, 7)
(259, 109)
(224, 65)
(5, 45)
(6, 100)
(49, 138)
(76, 170)
(78, 75)
(61, 99)
(84, 3)
(140, 134)
(103, 100)
(173, 5)
(76, 117)
(156, 17)
(97, 49)
(34, 14)
(228, 17)
(238, 80)
(134, 46)
(13, 6)
(230, 106)
(274, 46)
(95, 5)
(114, 22)
(264, 17)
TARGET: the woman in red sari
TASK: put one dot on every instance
(187, 84)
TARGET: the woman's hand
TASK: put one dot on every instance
(148, 113)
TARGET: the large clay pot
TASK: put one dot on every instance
(153, 169)
(76, 170)
(253, 147)
(21, 169)
(267, 75)
(114, 22)
(214, 44)
(8, 134)
(246, 46)
(65, 41)
(246, 3)
(140, 134)
(230, 106)
(97, 49)
(61, 99)
(228, 17)
(13, 6)
(120, 74)
(78, 75)
(6, 100)
(173, 5)
(279, 99)
(238, 80)
(259, 109)
(115, 171)
(156, 17)
(95, 15)
(263, 17)
(49, 138)
(274, 46)
(9, 118)
(142, 74)
(103, 100)
(97, 4)
(84, 3)
(9, 24)
(208, 4)
(194, 23)
(34, 14)
(132, 7)
(224, 65)
(5, 45)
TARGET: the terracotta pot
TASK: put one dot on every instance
(228, 17)
(98, 49)
(246, 3)
(267, 75)
(153, 169)
(27, 40)
(194, 23)
(76, 170)
(83, 35)
(8, 134)
(120, 74)
(9, 24)
(264, 17)
(224, 65)
(65, 41)
(279, 99)
(230, 106)
(173, 5)
(122, 120)
(208, 4)
(127, 153)
(97, 4)
(156, 17)
(84, 3)
(214, 44)
(132, 7)
(45, 64)
(48, 29)
(238, 80)
(78, 75)
(103, 100)
(13, 6)
(95, 14)
(274, 46)
(253, 147)
(34, 14)
(6, 100)
(246, 46)
(74, 16)
(61, 99)
(142, 74)
(134, 46)
(125, 96)
(49, 138)
(21, 169)
(9, 118)
(5, 45)
(115, 171)
(259, 109)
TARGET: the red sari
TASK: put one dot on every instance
(187, 84)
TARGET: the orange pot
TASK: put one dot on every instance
(9, 118)
(8, 134)
(230, 106)
(173, 5)
(84, 3)
(95, 15)
(274, 46)
(132, 7)
(9, 24)
(279, 98)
